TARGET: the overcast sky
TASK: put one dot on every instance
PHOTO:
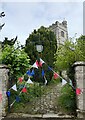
(23, 17)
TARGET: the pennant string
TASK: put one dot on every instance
(15, 99)
(35, 66)
(60, 76)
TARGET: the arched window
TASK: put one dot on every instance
(62, 33)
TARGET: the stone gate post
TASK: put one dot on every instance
(3, 89)
(80, 83)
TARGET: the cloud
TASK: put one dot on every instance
(23, 17)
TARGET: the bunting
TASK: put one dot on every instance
(35, 65)
(70, 82)
(8, 93)
(17, 99)
(78, 91)
(41, 61)
(0, 96)
(63, 82)
(49, 68)
(43, 73)
(29, 81)
(20, 79)
(45, 80)
(31, 73)
(39, 64)
(24, 90)
(55, 75)
(14, 87)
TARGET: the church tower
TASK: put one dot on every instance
(60, 30)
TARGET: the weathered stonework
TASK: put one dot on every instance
(80, 83)
(3, 88)
(60, 30)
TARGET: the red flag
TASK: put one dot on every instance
(24, 90)
(55, 75)
(78, 91)
(20, 79)
(0, 97)
(39, 64)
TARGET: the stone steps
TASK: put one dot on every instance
(20, 116)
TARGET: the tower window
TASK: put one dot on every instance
(62, 33)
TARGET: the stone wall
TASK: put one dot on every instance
(3, 89)
(80, 83)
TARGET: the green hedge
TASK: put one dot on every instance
(67, 99)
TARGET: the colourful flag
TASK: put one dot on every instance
(28, 73)
(0, 96)
(55, 75)
(21, 86)
(41, 61)
(8, 93)
(35, 65)
(63, 82)
(20, 79)
(39, 64)
(43, 73)
(32, 73)
(70, 82)
(45, 80)
(49, 68)
(78, 91)
(18, 99)
(29, 81)
(14, 87)
(24, 90)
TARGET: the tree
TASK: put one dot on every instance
(8, 42)
(16, 59)
(69, 53)
(45, 37)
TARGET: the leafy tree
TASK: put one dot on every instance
(16, 59)
(47, 38)
(69, 53)
(9, 42)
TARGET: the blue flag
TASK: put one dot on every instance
(28, 73)
(32, 73)
(8, 93)
(43, 73)
(18, 99)
(49, 68)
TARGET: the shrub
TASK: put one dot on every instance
(66, 100)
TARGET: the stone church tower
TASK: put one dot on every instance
(60, 30)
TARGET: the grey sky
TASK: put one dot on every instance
(23, 17)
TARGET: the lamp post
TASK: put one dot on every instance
(39, 46)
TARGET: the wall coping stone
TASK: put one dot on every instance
(79, 63)
(2, 66)
(80, 111)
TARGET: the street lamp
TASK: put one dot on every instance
(39, 48)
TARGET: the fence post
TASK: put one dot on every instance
(80, 83)
(3, 89)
